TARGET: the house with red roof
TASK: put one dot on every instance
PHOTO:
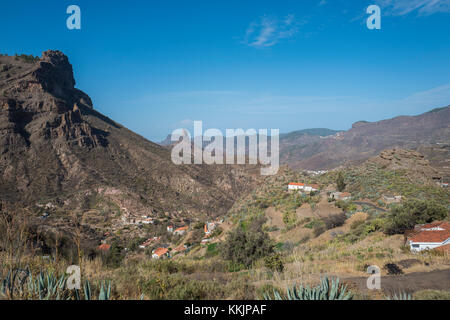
(181, 231)
(430, 236)
(341, 196)
(296, 186)
(209, 227)
(104, 247)
(160, 253)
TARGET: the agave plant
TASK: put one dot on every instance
(13, 284)
(401, 296)
(105, 291)
(326, 290)
(47, 286)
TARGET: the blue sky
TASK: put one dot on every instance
(158, 65)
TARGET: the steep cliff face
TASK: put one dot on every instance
(53, 144)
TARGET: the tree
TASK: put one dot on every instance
(244, 247)
(340, 182)
(412, 212)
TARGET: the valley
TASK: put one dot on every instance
(77, 188)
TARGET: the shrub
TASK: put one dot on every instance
(412, 212)
(340, 182)
(334, 220)
(274, 262)
(393, 269)
(115, 256)
(319, 229)
(289, 219)
(246, 246)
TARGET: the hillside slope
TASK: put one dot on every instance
(55, 147)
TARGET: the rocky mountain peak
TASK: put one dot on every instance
(55, 72)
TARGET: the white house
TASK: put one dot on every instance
(147, 221)
(430, 236)
(389, 198)
(209, 227)
(170, 229)
(296, 186)
(341, 195)
(311, 187)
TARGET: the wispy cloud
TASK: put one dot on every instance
(267, 32)
(422, 7)
(439, 96)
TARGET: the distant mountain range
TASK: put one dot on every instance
(429, 133)
(320, 148)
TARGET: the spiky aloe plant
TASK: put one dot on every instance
(401, 296)
(104, 294)
(326, 290)
(47, 286)
(13, 284)
(105, 291)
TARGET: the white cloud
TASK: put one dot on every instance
(269, 31)
(422, 7)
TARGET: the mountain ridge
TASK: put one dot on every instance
(55, 145)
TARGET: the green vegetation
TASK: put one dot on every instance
(400, 296)
(406, 216)
(340, 183)
(20, 284)
(115, 255)
(290, 219)
(326, 290)
(274, 262)
(245, 245)
(27, 58)
(372, 181)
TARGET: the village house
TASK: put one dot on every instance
(181, 231)
(209, 227)
(180, 248)
(430, 236)
(311, 187)
(149, 241)
(104, 247)
(147, 221)
(341, 196)
(303, 187)
(170, 229)
(160, 253)
(391, 198)
(296, 186)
